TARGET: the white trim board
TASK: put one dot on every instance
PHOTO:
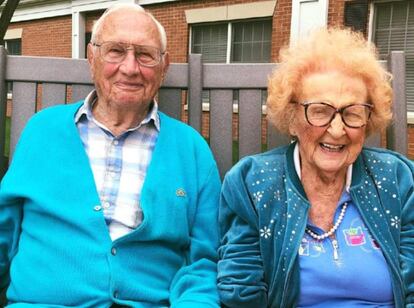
(37, 9)
(231, 12)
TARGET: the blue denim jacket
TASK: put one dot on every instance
(263, 215)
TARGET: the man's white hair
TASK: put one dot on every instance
(130, 7)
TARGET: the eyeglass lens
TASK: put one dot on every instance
(321, 114)
(114, 52)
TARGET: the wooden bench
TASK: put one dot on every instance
(184, 82)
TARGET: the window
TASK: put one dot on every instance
(211, 41)
(14, 47)
(394, 30)
(250, 41)
(355, 15)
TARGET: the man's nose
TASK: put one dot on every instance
(130, 65)
(337, 126)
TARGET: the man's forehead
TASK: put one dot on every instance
(122, 20)
(129, 19)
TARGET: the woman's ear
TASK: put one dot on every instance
(293, 123)
(293, 134)
(292, 127)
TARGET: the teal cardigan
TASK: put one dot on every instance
(262, 195)
(55, 248)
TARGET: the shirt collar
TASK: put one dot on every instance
(296, 160)
(86, 109)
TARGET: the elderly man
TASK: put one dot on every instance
(109, 202)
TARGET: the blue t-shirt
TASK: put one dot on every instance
(358, 278)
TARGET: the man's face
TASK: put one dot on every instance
(127, 85)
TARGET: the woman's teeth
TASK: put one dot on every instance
(331, 147)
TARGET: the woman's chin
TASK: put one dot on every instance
(332, 166)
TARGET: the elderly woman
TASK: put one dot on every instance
(323, 222)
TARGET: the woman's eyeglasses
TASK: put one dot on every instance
(321, 114)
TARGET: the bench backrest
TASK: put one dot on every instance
(56, 77)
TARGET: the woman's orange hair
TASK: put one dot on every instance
(328, 49)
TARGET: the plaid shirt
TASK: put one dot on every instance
(119, 165)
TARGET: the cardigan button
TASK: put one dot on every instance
(97, 208)
(113, 251)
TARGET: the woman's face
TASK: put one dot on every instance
(332, 148)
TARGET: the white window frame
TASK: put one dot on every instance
(297, 15)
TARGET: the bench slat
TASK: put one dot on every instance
(177, 76)
(79, 92)
(373, 141)
(275, 138)
(195, 91)
(47, 69)
(221, 141)
(53, 94)
(237, 76)
(397, 132)
(169, 101)
(3, 105)
(24, 106)
(250, 120)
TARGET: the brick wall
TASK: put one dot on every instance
(336, 12)
(281, 26)
(46, 37)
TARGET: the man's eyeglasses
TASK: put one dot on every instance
(115, 52)
(321, 114)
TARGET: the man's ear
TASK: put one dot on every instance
(91, 59)
(89, 51)
(166, 63)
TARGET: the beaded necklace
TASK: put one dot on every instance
(332, 230)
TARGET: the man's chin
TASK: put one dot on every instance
(129, 99)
